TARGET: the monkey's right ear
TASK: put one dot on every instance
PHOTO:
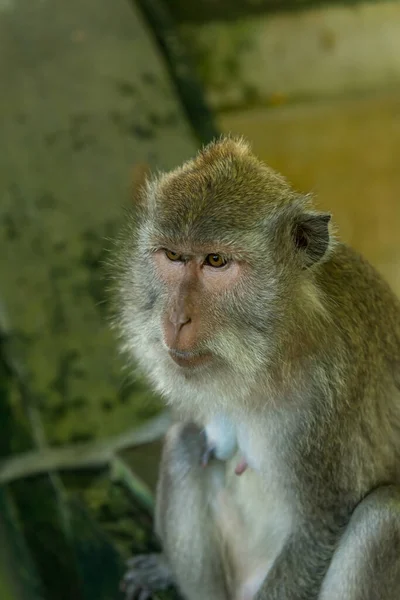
(141, 173)
(311, 236)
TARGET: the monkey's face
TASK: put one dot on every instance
(195, 318)
(208, 275)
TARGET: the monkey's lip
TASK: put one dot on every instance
(185, 358)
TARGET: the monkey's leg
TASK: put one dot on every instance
(184, 518)
(366, 564)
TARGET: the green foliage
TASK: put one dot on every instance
(18, 577)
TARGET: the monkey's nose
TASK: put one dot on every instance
(179, 319)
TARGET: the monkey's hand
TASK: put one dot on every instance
(147, 574)
(208, 454)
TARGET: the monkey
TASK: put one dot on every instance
(221, 438)
(277, 347)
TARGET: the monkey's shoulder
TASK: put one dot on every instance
(348, 277)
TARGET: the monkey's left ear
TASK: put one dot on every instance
(311, 236)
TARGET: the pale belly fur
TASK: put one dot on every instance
(252, 512)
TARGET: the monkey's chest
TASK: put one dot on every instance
(256, 519)
(255, 499)
(252, 449)
(228, 436)
(260, 493)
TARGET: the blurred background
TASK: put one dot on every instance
(89, 90)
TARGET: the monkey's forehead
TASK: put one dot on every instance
(219, 198)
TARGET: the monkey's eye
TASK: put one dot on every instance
(172, 255)
(216, 261)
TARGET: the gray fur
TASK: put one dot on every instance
(306, 364)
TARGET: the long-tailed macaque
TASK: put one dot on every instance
(279, 349)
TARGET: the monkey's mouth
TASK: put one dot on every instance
(187, 359)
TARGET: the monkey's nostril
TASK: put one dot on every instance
(179, 320)
(182, 324)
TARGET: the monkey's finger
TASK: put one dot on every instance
(208, 455)
(131, 586)
(128, 583)
(139, 561)
(131, 575)
(129, 591)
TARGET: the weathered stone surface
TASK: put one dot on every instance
(289, 56)
(204, 10)
(84, 96)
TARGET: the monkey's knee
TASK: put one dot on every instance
(183, 520)
(366, 564)
(184, 447)
(180, 476)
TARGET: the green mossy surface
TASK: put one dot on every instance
(85, 96)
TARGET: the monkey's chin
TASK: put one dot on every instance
(189, 360)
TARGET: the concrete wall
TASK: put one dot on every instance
(275, 58)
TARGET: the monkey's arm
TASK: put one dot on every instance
(328, 562)
(298, 572)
